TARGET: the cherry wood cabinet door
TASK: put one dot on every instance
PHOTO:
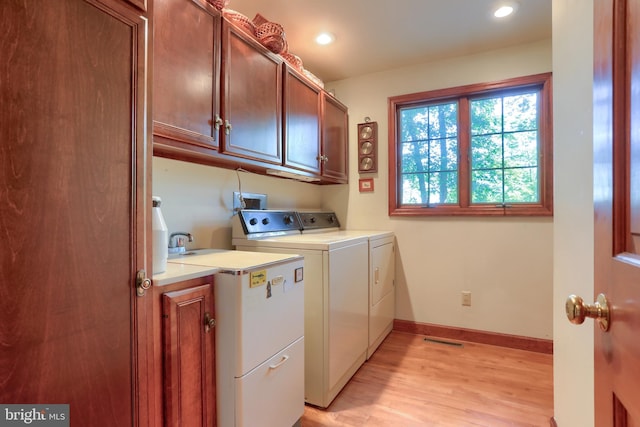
(251, 98)
(186, 69)
(301, 123)
(73, 201)
(335, 125)
(189, 361)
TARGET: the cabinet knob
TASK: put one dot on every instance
(209, 322)
(227, 127)
(217, 122)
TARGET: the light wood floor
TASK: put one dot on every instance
(412, 382)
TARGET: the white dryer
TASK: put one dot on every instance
(381, 270)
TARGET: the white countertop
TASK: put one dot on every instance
(178, 272)
(194, 266)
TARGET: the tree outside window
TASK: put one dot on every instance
(473, 150)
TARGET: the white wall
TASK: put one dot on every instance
(505, 262)
(573, 228)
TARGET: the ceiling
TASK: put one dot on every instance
(376, 35)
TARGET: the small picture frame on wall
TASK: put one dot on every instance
(365, 185)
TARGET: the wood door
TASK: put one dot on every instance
(302, 106)
(189, 371)
(185, 75)
(335, 125)
(251, 98)
(73, 169)
(617, 209)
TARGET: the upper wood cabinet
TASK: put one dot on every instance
(186, 68)
(302, 111)
(251, 98)
(335, 125)
(222, 98)
(315, 130)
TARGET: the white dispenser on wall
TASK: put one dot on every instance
(160, 238)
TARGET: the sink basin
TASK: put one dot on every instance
(192, 252)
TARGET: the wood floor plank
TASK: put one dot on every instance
(412, 382)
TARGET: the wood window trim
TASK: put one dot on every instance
(463, 208)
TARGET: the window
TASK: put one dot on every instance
(474, 150)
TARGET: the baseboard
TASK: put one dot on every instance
(493, 338)
(552, 422)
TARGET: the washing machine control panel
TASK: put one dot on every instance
(318, 220)
(269, 221)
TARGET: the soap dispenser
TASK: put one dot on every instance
(160, 238)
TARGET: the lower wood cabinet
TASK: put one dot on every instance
(187, 353)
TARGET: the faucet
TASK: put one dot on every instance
(177, 243)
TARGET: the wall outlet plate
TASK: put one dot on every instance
(466, 298)
(251, 201)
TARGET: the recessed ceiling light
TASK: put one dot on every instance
(325, 38)
(505, 10)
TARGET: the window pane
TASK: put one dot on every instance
(486, 152)
(520, 112)
(486, 116)
(414, 189)
(521, 149)
(486, 186)
(429, 154)
(504, 149)
(443, 187)
(414, 124)
(443, 121)
(443, 155)
(414, 157)
(521, 185)
(430, 188)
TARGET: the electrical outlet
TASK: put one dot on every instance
(466, 298)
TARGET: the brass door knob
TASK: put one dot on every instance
(577, 311)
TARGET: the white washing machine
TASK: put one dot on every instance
(338, 294)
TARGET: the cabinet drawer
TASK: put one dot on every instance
(273, 393)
